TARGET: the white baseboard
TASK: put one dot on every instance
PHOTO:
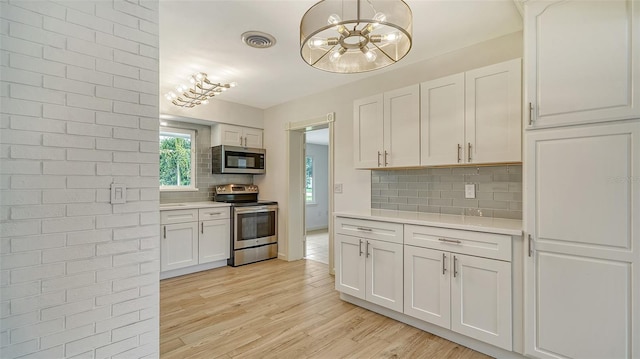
(317, 228)
(192, 269)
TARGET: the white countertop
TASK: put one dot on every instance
(511, 227)
(192, 205)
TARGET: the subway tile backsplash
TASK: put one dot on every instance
(441, 190)
(205, 180)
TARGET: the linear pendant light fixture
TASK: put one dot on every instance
(351, 36)
(198, 93)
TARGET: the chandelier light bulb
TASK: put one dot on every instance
(379, 17)
(173, 95)
(199, 76)
(369, 54)
(233, 84)
(205, 102)
(336, 54)
(333, 19)
(317, 43)
(393, 37)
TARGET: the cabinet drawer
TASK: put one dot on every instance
(384, 231)
(178, 216)
(488, 245)
(205, 214)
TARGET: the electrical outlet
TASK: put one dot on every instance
(337, 188)
(470, 190)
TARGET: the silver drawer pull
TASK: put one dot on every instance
(213, 214)
(449, 240)
(364, 229)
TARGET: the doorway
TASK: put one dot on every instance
(317, 195)
(295, 244)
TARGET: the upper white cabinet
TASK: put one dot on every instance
(230, 135)
(387, 129)
(582, 61)
(472, 117)
(583, 219)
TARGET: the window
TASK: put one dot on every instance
(309, 190)
(177, 159)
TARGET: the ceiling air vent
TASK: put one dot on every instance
(259, 40)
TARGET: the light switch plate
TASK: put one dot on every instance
(470, 190)
(118, 193)
(337, 188)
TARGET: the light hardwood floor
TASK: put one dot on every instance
(278, 309)
(318, 245)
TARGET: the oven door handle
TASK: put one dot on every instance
(255, 209)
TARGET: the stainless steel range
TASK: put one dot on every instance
(254, 224)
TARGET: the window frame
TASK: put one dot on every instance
(313, 201)
(192, 134)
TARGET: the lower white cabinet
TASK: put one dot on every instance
(179, 246)
(370, 269)
(469, 295)
(193, 237)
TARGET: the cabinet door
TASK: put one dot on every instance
(442, 121)
(252, 137)
(583, 195)
(350, 265)
(179, 245)
(368, 132)
(481, 299)
(402, 127)
(427, 285)
(231, 135)
(214, 241)
(583, 61)
(493, 113)
(384, 274)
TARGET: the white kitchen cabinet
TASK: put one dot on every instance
(192, 239)
(214, 238)
(583, 223)
(468, 294)
(472, 117)
(582, 61)
(427, 285)
(387, 129)
(179, 245)
(370, 268)
(231, 135)
(442, 120)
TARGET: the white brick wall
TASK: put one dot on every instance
(78, 111)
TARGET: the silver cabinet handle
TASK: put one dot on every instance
(449, 240)
(364, 229)
(386, 162)
(379, 158)
(459, 148)
(202, 227)
(240, 140)
(444, 258)
(455, 269)
(367, 249)
(530, 247)
(165, 232)
(360, 248)
(245, 141)
(530, 114)
(469, 153)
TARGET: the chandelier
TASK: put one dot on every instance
(350, 36)
(198, 92)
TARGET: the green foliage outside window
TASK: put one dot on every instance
(309, 179)
(175, 160)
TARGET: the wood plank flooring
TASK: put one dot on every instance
(278, 309)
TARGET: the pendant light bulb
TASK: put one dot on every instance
(336, 54)
(316, 43)
(205, 102)
(233, 84)
(393, 37)
(379, 17)
(333, 19)
(369, 54)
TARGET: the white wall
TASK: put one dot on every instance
(316, 215)
(79, 110)
(357, 183)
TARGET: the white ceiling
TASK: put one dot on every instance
(318, 137)
(205, 36)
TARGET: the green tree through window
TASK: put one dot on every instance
(309, 196)
(176, 158)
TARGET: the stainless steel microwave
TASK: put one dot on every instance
(241, 160)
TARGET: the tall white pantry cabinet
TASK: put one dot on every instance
(582, 178)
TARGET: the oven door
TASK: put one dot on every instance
(255, 226)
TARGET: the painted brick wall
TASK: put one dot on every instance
(79, 110)
(205, 180)
(441, 190)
